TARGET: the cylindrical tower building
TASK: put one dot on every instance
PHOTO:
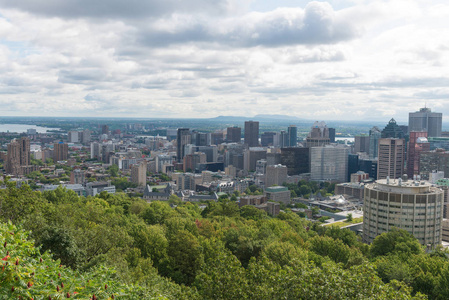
(412, 205)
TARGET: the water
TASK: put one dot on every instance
(19, 128)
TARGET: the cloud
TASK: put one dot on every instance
(79, 58)
(82, 75)
(116, 9)
(318, 23)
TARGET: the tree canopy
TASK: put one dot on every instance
(178, 250)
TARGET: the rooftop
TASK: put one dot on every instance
(404, 186)
(276, 189)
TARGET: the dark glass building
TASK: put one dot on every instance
(233, 134)
(296, 159)
(292, 135)
(392, 130)
(252, 133)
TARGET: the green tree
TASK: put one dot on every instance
(62, 245)
(185, 257)
(18, 203)
(391, 267)
(30, 274)
(327, 246)
(157, 212)
(349, 217)
(151, 242)
(282, 253)
(253, 188)
(222, 276)
(225, 207)
(113, 170)
(345, 235)
(123, 183)
(164, 177)
(243, 242)
(395, 241)
(250, 212)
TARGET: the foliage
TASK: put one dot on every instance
(113, 170)
(164, 177)
(349, 217)
(250, 212)
(29, 274)
(185, 257)
(122, 183)
(177, 250)
(395, 241)
(305, 188)
(323, 219)
(346, 222)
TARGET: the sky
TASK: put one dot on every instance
(319, 60)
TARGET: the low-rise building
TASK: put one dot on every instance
(94, 188)
(252, 200)
(278, 194)
(352, 189)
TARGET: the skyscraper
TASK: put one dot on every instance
(60, 151)
(251, 156)
(353, 165)
(139, 173)
(296, 159)
(85, 136)
(332, 135)
(73, 136)
(252, 133)
(292, 136)
(374, 136)
(318, 136)
(216, 138)
(13, 158)
(191, 161)
(267, 138)
(392, 130)
(280, 139)
(233, 134)
(25, 154)
(183, 138)
(329, 163)
(417, 144)
(18, 156)
(200, 138)
(391, 158)
(361, 144)
(425, 120)
(95, 150)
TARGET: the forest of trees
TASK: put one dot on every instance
(57, 245)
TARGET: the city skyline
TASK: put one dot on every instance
(335, 60)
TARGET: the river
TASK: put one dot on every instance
(19, 128)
